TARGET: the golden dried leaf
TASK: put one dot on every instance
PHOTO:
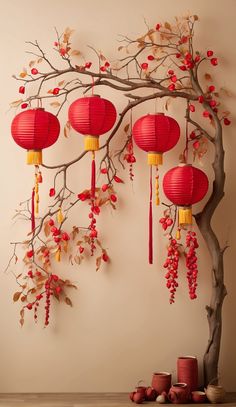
(22, 321)
(61, 83)
(75, 232)
(55, 104)
(98, 262)
(16, 103)
(195, 17)
(126, 128)
(47, 229)
(208, 77)
(75, 52)
(68, 301)
(167, 26)
(16, 296)
(31, 63)
(23, 75)
(39, 60)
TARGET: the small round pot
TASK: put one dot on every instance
(141, 390)
(161, 381)
(215, 394)
(199, 397)
(179, 393)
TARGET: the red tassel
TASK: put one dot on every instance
(93, 178)
(150, 222)
(32, 211)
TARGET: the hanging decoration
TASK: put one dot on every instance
(155, 134)
(34, 130)
(92, 116)
(184, 186)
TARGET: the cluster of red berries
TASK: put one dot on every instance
(105, 67)
(130, 158)
(191, 263)
(57, 234)
(166, 222)
(171, 264)
(92, 227)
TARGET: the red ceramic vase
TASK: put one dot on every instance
(187, 371)
(179, 393)
(161, 381)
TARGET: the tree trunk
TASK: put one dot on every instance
(203, 219)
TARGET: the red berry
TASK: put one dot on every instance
(196, 145)
(29, 306)
(51, 222)
(65, 236)
(158, 26)
(81, 249)
(211, 88)
(150, 57)
(209, 53)
(62, 52)
(56, 44)
(197, 58)
(200, 99)
(96, 210)
(22, 89)
(82, 196)
(93, 233)
(54, 229)
(103, 171)
(57, 239)
(183, 68)
(105, 257)
(105, 187)
(56, 91)
(38, 273)
(52, 192)
(214, 61)
(34, 71)
(118, 180)
(174, 78)
(212, 103)
(192, 108)
(169, 222)
(113, 198)
(24, 105)
(103, 68)
(55, 277)
(227, 121)
(178, 55)
(144, 65)
(171, 87)
(30, 254)
(107, 64)
(206, 113)
(58, 289)
(171, 72)
(192, 135)
(88, 65)
(39, 297)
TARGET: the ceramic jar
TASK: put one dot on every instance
(187, 371)
(161, 381)
(179, 393)
(215, 394)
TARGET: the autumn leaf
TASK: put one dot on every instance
(22, 314)
(47, 229)
(16, 296)
(23, 298)
(167, 26)
(208, 77)
(16, 103)
(75, 53)
(61, 83)
(120, 48)
(98, 262)
(39, 60)
(126, 128)
(77, 260)
(31, 63)
(68, 301)
(55, 104)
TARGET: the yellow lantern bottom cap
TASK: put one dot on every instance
(91, 143)
(34, 157)
(155, 158)
(185, 216)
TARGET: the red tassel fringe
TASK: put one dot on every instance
(32, 211)
(150, 222)
(93, 179)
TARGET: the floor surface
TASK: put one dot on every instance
(85, 400)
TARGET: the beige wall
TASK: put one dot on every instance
(121, 327)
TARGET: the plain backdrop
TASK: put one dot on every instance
(121, 327)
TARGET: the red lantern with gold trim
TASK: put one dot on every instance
(34, 130)
(92, 116)
(155, 134)
(185, 185)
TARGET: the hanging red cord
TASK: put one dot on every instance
(150, 222)
(93, 176)
(32, 211)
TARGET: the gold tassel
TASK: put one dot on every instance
(34, 157)
(185, 216)
(155, 158)
(60, 216)
(178, 234)
(91, 143)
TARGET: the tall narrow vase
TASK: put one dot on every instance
(187, 371)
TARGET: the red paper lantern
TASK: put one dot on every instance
(155, 134)
(92, 116)
(185, 185)
(34, 130)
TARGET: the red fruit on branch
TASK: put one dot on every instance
(96, 210)
(81, 249)
(55, 44)
(52, 192)
(58, 289)
(30, 254)
(105, 257)
(212, 103)
(196, 145)
(65, 236)
(38, 273)
(55, 277)
(113, 198)
(51, 222)
(169, 221)
(34, 71)
(29, 306)
(192, 108)
(56, 91)
(211, 88)
(105, 187)
(210, 53)
(118, 180)
(214, 61)
(174, 78)
(103, 171)
(22, 89)
(227, 122)
(103, 68)
(30, 273)
(178, 55)
(144, 66)
(39, 297)
(191, 263)
(88, 65)
(54, 229)
(171, 87)
(62, 52)
(158, 26)
(183, 68)
(192, 135)
(57, 239)
(107, 64)
(93, 234)
(206, 113)
(24, 105)
(197, 58)
(171, 72)
(200, 99)
(150, 57)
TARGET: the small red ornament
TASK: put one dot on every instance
(34, 71)
(22, 89)
(211, 88)
(56, 91)
(200, 99)
(214, 61)
(158, 26)
(150, 57)
(144, 66)
(227, 122)
(192, 108)
(209, 53)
